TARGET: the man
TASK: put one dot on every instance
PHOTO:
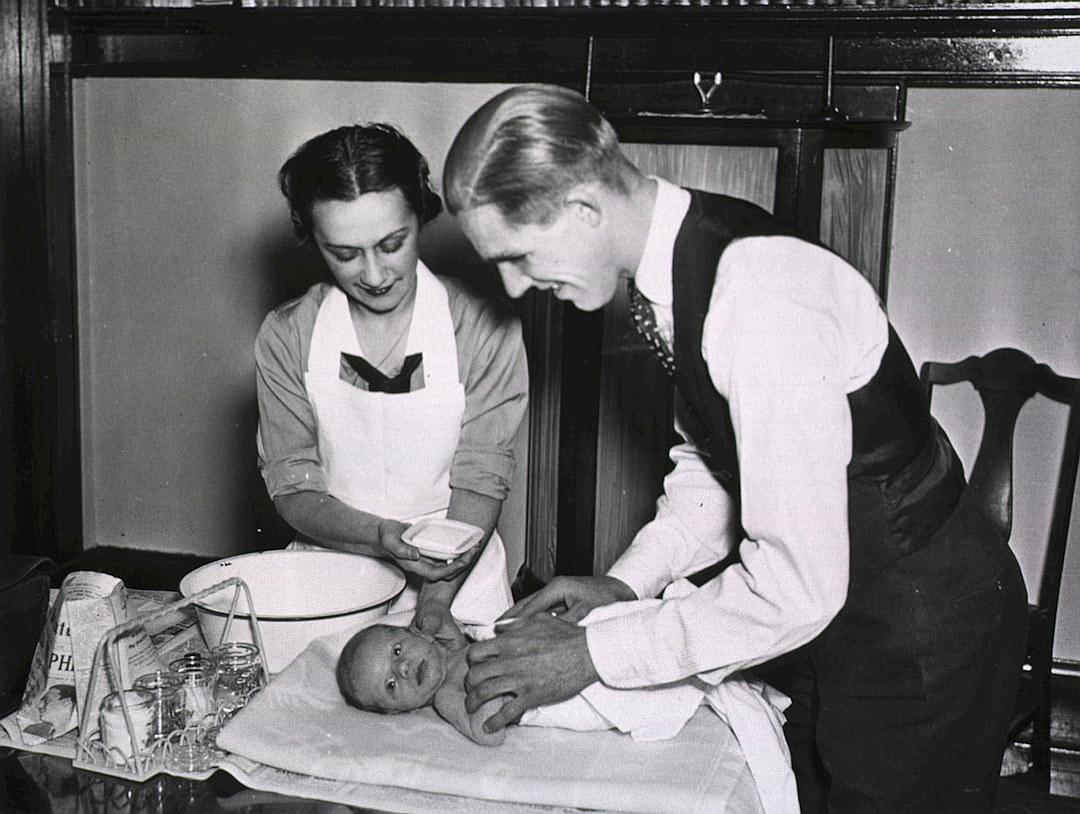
(862, 581)
(56, 712)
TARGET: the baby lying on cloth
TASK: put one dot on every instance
(391, 669)
(730, 756)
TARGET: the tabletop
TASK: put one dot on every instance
(33, 783)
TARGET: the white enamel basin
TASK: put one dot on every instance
(298, 596)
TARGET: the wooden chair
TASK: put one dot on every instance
(1005, 380)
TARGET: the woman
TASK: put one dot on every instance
(389, 394)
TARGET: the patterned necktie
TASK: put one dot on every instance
(645, 322)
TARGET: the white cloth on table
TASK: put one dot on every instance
(301, 723)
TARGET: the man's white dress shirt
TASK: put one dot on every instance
(791, 330)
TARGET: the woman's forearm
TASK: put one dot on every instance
(326, 520)
(468, 507)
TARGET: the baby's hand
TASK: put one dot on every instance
(449, 702)
(476, 731)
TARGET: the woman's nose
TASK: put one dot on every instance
(370, 271)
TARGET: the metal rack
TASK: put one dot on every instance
(154, 758)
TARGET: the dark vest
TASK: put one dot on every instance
(903, 479)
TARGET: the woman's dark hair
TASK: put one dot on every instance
(345, 163)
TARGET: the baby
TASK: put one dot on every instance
(394, 669)
(391, 669)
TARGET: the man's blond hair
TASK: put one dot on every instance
(523, 149)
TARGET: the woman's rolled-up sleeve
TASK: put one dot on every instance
(494, 371)
(287, 442)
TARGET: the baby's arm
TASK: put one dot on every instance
(449, 702)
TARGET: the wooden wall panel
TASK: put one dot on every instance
(11, 180)
(853, 200)
(38, 467)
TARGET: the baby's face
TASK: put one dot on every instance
(395, 669)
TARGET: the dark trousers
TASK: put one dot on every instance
(902, 704)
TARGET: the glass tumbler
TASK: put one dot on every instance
(168, 709)
(196, 673)
(120, 743)
(238, 675)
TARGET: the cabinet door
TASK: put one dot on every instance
(855, 197)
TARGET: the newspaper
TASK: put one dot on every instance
(173, 632)
(87, 606)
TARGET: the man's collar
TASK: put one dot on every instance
(653, 275)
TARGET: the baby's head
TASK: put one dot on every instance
(384, 668)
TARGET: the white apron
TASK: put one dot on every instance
(390, 453)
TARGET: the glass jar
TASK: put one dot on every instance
(238, 675)
(196, 673)
(189, 756)
(120, 743)
(168, 709)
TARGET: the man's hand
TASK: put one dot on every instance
(539, 660)
(432, 620)
(408, 559)
(572, 597)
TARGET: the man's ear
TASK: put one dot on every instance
(585, 202)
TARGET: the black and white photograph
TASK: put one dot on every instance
(540, 406)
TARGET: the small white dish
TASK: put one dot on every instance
(441, 538)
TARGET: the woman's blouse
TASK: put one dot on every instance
(491, 365)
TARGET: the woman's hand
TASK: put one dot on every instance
(571, 598)
(408, 559)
